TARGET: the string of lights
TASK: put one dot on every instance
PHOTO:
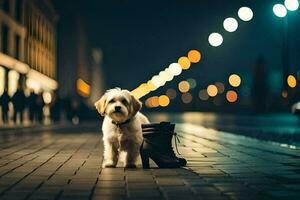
(215, 39)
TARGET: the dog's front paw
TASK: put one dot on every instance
(109, 164)
(130, 165)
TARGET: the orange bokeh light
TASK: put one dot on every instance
(184, 62)
(231, 96)
(152, 102)
(184, 86)
(83, 88)
(194, 56)
(163, 100)
(212, 90)
(291, 81)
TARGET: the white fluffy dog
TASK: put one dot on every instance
(121, 126)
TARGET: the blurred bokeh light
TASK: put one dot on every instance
(175, 69)
(279, 10)
(230, 24)
(231, 96)
(203, 95)
(220, 87)
(184, 86)
(83, 88)
(284, 94)
(192, 82)
(152, 102)
(291, 5)
(215, 39)
(184, 62)
(245, 14)
(194, 56)
(163, 100)
(171, 93)
(291, 81)
(212, 90)
(234, 80)
(186, 98)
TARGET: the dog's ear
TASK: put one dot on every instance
(136, 105)
(101, 104)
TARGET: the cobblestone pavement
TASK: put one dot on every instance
(67, 165)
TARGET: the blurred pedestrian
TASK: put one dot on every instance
(4, 101)
(55, 108)
(40, 107)
(32, 107)
(19, 100)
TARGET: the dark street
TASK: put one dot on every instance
(149, 100)
(64, 162)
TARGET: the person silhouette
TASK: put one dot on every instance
(4, 101)
(39, 107)
(18, 100)
(32, 106)
(55, 108)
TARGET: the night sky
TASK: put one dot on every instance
(140, 38)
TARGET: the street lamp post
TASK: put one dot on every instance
(285, 52)
(281, 11)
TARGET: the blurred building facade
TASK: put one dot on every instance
(28, 45)
(80, 73)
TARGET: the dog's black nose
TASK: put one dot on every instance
(117, 108)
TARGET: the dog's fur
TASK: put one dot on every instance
(121, 129)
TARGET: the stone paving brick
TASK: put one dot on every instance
(220, 166)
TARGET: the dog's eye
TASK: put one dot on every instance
(111, 101)
(124, 102)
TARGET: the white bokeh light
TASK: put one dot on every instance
(175, 69)
(215, 39)
(291, 5)
(167, 74)
(279, 10)
(230, 24)
(157, 81)
(245, 14)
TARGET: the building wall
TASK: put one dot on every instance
(78, 60)
(27, 45)
(12, 30)
(40, 51)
